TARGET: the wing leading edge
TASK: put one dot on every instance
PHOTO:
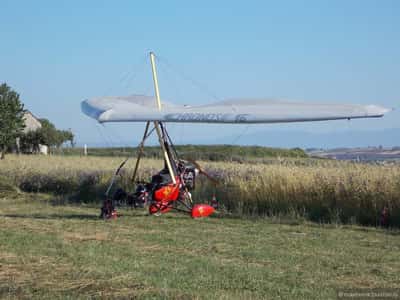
(138, 108)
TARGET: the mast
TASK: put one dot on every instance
(156, 123)
(155, 80)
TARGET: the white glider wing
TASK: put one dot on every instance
(138, 108)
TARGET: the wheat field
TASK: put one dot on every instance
(318, 190)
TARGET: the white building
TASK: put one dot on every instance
(32, 124)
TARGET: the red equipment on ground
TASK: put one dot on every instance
(167, 196)
(164, 197)
(202, 210)
(162, 193)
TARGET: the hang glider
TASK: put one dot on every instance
(139, 108)
(172, 185)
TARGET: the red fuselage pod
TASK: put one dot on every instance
(168, 192)
(202, 210)
(164, 197)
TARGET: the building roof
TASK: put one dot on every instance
(31, 122)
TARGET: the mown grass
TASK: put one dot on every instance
(52, 252)
(318, 190)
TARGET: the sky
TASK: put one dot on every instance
(56, 54)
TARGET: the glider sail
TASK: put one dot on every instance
(139, 108)
(163, 196)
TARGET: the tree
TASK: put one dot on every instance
(47, 135)
(67, 136)
(30, 141)
(11, 118)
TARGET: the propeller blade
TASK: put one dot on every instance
(202, 171)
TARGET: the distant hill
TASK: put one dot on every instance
(302, 139)
(359, 154)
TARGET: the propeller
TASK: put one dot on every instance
(202, 171)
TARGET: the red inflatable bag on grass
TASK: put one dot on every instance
(202, 210)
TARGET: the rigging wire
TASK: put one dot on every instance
(184, 76)
(182, 133)
(128, 76)
(171, 83)
(125, 80)
(120, 141)
(237, 138)
(166, 66)
(102, 135)
(170, 141)
(164, 61)
(103, 129)
(134, 76)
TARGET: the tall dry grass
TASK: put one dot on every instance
(322, 191)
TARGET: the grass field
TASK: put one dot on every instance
(52, 244)
(52, 251)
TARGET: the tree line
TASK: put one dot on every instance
(199, 152)
(12, 125)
